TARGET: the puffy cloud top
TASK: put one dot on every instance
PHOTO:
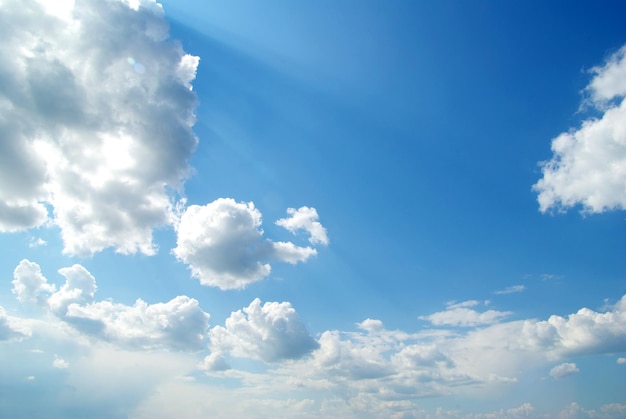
(588, 166)
(271, 332)
(306, 219)
(96, 110)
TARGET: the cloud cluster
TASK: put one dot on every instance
(96, 113)
(223, 244)
(178, 324)
(588, 166)
(271, 332)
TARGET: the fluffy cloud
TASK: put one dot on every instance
(29, 284)
(96, 109)
(60, 363)
(306, 219)
(214, 362)
(563, 370)
(589, 163)
(223, 244)
(271, 332)
(178, 324)
(621, 361)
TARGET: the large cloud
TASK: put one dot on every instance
(271, 332)
(223, 244)
(589, 163)
(96, 110)
(178, 324)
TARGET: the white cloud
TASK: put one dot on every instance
(29, 285)
(462, 304)
(10, 327)
(79, 288)
(589, 163)
(214, 362)
(37, 242)
(621, 361)
(511, 290)
(97, 113)
(609, 81)
(271, 332)
(564, 370)
(223, 244)
(305, 218)
(465, 317)
(588, 331)
(177, 324)
(60, 363)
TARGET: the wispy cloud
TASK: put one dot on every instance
(511, 290)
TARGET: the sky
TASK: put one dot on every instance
(312, 209)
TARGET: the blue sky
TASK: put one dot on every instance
(312, 209)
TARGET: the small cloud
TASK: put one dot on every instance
(621, 361)
(60, 363)
(462, 304)
(37, 242)
(371, 325)
(30, 378)
(564, 370)
(511, 290)
(214, 362)
(306, 219)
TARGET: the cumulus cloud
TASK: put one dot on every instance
(621, 361)
(271, 332)
(214, 362)
(29, 284)
(511, 290)
(223, 244)
(96, 109)
(588, 166)
(564, 370)
(305, 218)
(60, 363)
(177, 324)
